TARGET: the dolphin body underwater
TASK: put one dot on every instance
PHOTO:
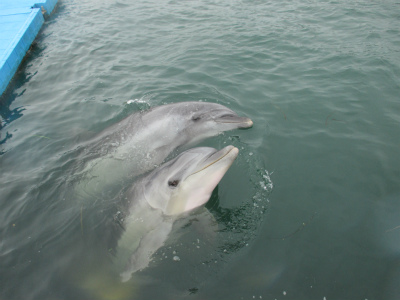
(160, 198)
(143, 140)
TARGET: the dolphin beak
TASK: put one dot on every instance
(246, 123)
(229, 152)
(241, 122)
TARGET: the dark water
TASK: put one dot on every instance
(310, 209)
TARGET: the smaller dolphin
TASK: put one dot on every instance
(168, 193)
(143, 140)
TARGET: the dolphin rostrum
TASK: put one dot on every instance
(163, 196)
(143, 140)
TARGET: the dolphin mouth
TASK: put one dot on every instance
(242, 122)
(221, 154)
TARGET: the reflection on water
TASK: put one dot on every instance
(15, 89)
(7, 115)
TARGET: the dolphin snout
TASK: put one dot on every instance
(247, 123)
(241, 122)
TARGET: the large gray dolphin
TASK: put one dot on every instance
(143, 140)
(166, 194)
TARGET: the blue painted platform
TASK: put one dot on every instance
(20, 22)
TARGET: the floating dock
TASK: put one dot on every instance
(20, 22)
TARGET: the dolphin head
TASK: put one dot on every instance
(187, 181)
(188, 123)
(217, 114)
(205, 119)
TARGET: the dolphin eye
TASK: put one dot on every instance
(196, 118)
(173, 183)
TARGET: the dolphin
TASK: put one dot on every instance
(165, 195)
(143, 140)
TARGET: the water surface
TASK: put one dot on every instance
(311, 207)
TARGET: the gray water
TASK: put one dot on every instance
(309, 210)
